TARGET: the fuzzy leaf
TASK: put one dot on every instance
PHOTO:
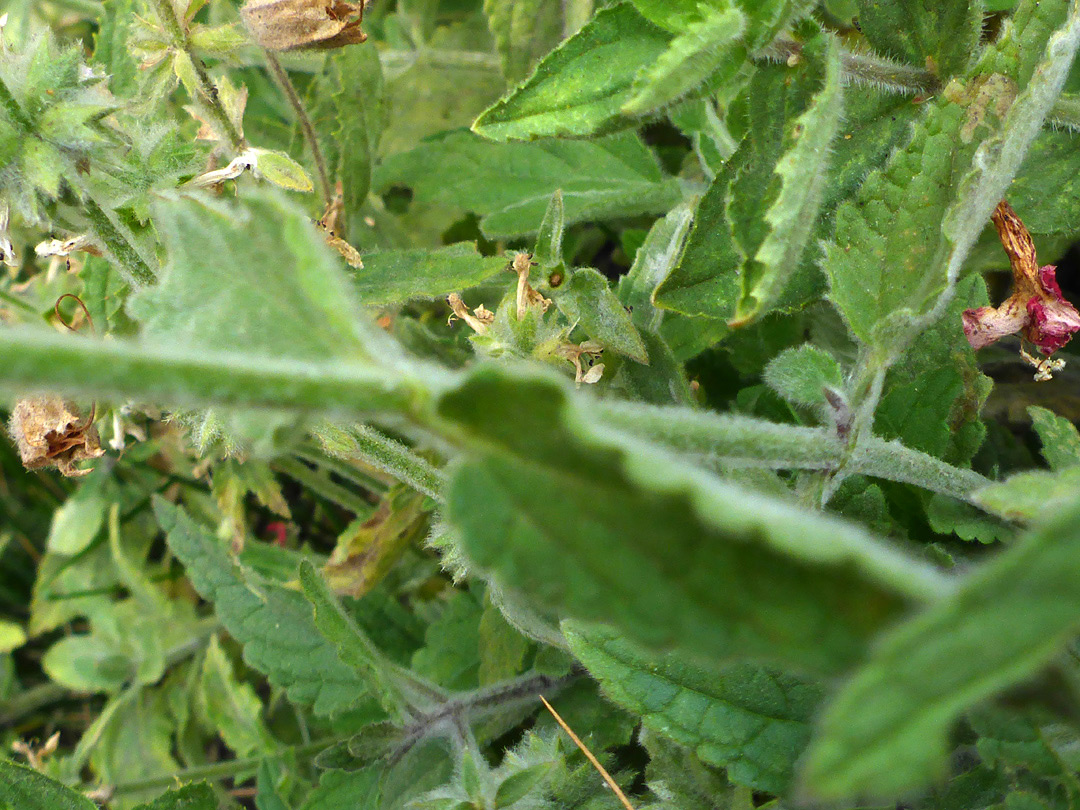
(284, 294)
(523, 30)
(189, 797)
(547, 251)
(232, 707)
(396, 276)
(709, 53)
(579, 89)
(587, 299)
(510, 185)
(938, 33)
(1046, 192)
(274, 624)
(753, 721)
(799, 375)
(1032, 495)
(886, 731)
(353, 647)
(1060, 438)
(799, 185)
(588, 524)
(26, 789)
(340, 789)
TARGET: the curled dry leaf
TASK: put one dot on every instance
(527, 297)
(1036, 308)
(50, 432)
(285, 25)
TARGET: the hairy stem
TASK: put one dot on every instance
(286, 85)
(207, 96)
(864, 68)
(1066, 112)
(393, 458)
(716, 439)
(120, 248)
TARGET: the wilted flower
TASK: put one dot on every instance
(1036, 308)
(574, 352)
(52, 433)
(479, 319)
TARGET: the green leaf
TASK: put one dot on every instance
(88, 663)
(510, 185)
(903, 241)
(1060, 438)
(189, 797)
(1046, 191)
(799, 375)
(709, 53)
(523, 30)
(795, 194)
(547, 251)
(587, 299)
(579, 89)
(79, 519)
(887, 729)
(940, 34)
(284, 295)
(112, 47)
(281, 170)
(586, 523)
(353, 647)
(26, 789)
(753, 721)
(274, 624)
(12, 636)
(1030, 496)
(340, 789)
(520, 784)
(396, 276)
(231, 707)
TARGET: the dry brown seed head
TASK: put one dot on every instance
(285, 25)
(50, 432)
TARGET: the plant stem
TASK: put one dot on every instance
(864, 68)
(133, 266)
(286, 85)
(207, 97)
(218, 770)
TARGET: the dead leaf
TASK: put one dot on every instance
(50, 432)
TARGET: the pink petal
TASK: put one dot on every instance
(987, 325)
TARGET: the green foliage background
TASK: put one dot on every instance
(715, 470)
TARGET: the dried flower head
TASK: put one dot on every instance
(50, 432)
(478, 319)
(1036, 308)
(285, 25)
(527, 297)
(589, 349)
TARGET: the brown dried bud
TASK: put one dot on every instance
(285, 25)
(52, 433)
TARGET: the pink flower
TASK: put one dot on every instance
(1036, 308)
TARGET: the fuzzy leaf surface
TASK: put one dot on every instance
(579, 89)
(913, 31)
(510, 185)
(274, 624)
(396, 276)
(753, 721)
(886, 731)
(643, 542)
(588, 300)
(26, 789)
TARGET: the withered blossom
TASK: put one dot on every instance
(1036, 309)
(285, 25)
(574, 353)
(479, 319)
(50, 432)
(526, 296)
